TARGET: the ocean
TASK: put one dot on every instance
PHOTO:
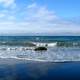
(59, 49)
(40, 38)
(19, 60)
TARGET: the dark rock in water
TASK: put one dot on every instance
(40, 49)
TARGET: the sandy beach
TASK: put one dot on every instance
(13, 69)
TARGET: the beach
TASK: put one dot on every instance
(39, 39)
(13, 69)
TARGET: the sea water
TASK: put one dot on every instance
(12, 47)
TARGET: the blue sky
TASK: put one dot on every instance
(52, 17)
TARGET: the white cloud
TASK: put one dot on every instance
(37, 19)
(9, 10)
(48, 21)
(8, 3)
(2, 15)
(38, 13)
(32, 6)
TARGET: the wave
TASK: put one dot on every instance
(38, 60)
(40, 57)
(27, 59)
(53, 54)
(48, 44)
(17, 43)
(45, 44)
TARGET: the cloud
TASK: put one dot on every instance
(8, 11)
(8, 3)
(35, 18)
(32, 6)
(2, 15)
(41, 19)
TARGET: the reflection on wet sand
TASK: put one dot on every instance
(12, 69)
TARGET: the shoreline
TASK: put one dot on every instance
(11, 60)
(11, 69)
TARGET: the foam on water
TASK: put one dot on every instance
(53, 54)
(45, 44)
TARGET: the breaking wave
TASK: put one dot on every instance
(53, 54)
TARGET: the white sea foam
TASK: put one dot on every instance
(53, 54)
(45, 44)
(52, 44)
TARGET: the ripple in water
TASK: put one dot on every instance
(53, 54)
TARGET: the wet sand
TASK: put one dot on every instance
(13, 69)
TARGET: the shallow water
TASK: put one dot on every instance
(53, 54)
(16, 70)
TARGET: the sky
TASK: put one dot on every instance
(40, 17)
